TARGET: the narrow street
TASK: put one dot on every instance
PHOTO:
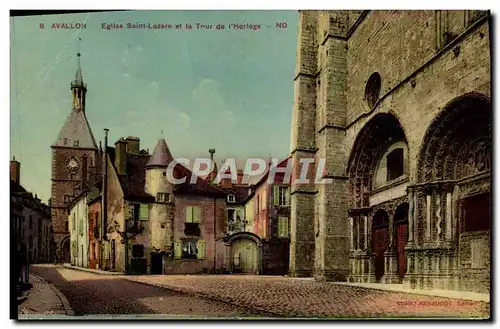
(244, 296)
(90, 293)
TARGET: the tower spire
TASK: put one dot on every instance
(78, 76)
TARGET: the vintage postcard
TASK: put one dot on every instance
(295, 164)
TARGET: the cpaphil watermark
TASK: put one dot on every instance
(254, 167)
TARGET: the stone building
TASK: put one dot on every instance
(152, 225)
(74, 164)
(31, 229)
(78, 228)
(261, 244)
(398, 103)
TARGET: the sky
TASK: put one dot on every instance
(228, 89)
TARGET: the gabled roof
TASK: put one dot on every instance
(278, 177)
(76, 128)
(202, 186)
(161, 155)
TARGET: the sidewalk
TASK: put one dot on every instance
(84, 269)
(43, 299)
(464, 295)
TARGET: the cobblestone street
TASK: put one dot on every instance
(303, 297)
(90, 293)
(244, 296)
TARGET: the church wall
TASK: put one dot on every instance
(437, 84)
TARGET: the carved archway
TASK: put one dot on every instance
(63, 250)
(452, 190)
(373, 140)
(458, 141)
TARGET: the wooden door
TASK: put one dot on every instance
(245, 251)
(401, 240)
(113, 255)
(156, 263)
(380, 245)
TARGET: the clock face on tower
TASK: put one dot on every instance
(73, 163)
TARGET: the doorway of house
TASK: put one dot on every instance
(156, 263)
(401, 237)
(380, 234)
(113, 254)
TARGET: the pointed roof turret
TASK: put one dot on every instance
(161, 155)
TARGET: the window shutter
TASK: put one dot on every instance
(80, 226)
(285, 226)
(177, 250)
(126, 210)
(196, 214)
(201, 249)
(144, 212)
(280, 226)
(276, 195)
(288, 196)
(189, 214)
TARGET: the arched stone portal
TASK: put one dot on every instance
(243, 253)
(63, 250)
(378, 174)
(448, 245)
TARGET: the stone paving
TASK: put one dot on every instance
(291, 297)
(43, 299)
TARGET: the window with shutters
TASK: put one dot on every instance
(281, 195)
(137, 251)
(163, 197)
(189, 249)
(193, 214)
(144, 212)
(192, 221)
(283, 227)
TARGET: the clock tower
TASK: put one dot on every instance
(74, 158)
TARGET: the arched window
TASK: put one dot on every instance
(372, 90)
(395, 164)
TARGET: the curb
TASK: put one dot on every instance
(209, 297)
(89, 270)
(417, 292)
(67, 307)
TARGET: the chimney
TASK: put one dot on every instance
(213, 173)
(133, 145)
(121, 156)
(15, 170)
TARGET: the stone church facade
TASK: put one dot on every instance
(398, 103)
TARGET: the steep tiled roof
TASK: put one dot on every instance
(161, 155)
(134, 182)
(16, 188)
(278, 177)
(202, 186)
(76, 128)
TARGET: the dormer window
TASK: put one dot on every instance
(65, 140)
(231, 198)
(76, 143)
(163, 197)
(395, 164)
